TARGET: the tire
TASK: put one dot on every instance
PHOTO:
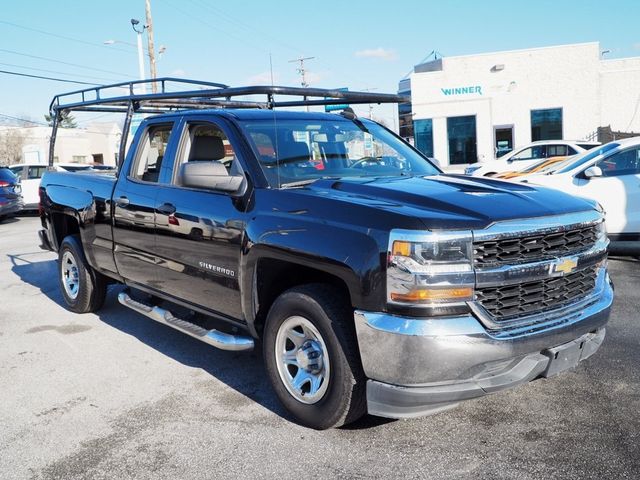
(83, 289)
(490, 174)
(321, 320)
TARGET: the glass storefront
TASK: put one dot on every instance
(546, 124)
(461, 132)
(423, 131)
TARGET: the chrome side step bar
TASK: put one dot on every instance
(221, 340)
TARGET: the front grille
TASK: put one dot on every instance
(507, 302)
(535, 247)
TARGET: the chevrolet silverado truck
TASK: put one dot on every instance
(372, 282)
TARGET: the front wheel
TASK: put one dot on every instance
(311, 357)
(83, 289)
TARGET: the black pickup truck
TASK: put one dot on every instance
(372, 281)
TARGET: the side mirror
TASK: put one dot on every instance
(211, 175)
(593, 171)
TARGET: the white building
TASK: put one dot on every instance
(465, 109)
(97, 143)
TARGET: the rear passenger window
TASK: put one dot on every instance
(36, 172)
(151, 151)
(557, 151)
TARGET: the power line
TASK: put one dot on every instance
(63, 37)
(229, 18)
(18, 74)
(23, 120)
(22, 54)
(246, 26)
(43, 124)
(215, 28)
(53, 71)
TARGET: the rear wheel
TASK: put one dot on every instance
(311, 356)
(83, 289)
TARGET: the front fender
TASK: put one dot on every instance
(354, 256)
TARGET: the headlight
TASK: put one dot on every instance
(430, 269)
(470, 170)
(601, 231)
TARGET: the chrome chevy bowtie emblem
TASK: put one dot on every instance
(564, 266)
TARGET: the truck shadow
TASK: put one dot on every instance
(243, 372)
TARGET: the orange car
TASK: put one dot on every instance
(536, 167)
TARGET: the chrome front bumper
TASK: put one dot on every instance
(420, 366)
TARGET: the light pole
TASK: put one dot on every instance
(139, 33)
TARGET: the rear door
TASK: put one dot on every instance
(618, 190)
(134, 199)
(200, 232)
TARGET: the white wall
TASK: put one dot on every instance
(70, 142)
(620, 90)
(551, 77)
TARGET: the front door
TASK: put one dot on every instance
(503, 140)
(134, 201)
(617, 190)
(200, 232)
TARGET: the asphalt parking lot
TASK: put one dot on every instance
(116, 395)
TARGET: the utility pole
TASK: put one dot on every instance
(301, 70)
(150, 48)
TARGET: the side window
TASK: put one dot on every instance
(205, 142)
(531, 153)
(150, 154)
(557, 151)
(36, 172)
(623, 163)
(572, 151)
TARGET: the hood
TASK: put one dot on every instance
(449, 201)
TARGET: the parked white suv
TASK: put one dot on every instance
(610, 175)
(529, 154)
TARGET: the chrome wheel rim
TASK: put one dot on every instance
(70, 276)
(302, 360)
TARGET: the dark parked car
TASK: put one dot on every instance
(10, 193)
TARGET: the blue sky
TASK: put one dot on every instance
(357, 44)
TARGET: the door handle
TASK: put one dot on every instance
(167, 209)
(122, 201)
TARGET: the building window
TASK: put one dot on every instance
(461, 132)
(423, 131)
(78, 158)
(405, 119)
(546, 124)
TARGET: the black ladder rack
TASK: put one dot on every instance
(132, 97)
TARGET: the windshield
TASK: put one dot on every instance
(582, 158)
(297, 152)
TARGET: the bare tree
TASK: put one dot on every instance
(11, 143)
